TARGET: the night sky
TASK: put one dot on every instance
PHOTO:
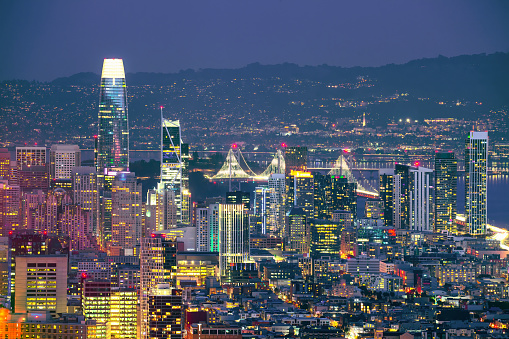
(43, 40)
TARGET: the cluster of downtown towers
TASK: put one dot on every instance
(410, 197)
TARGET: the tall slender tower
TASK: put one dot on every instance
(446, 177)
(173, 167)
(476, 173)
(112, 150)
(421, 199)
(113, 137)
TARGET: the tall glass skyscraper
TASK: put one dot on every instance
(446, 177)
(173, 164)
(476, 173)
(113, 136)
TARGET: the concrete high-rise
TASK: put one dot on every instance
(84, 188)
(10, 214)
(5, 164)
(62, 160)
(126, 211)
(446, 181)
(213, 233)
(41, 283)
(421, 199)
(476, 190)
(202, 229)
(31, 156)
(161, 211)
(113, 136)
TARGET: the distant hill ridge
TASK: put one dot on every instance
(478, 76)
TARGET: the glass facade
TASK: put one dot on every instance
(476, 171)
(173, 167)
(446, 178)
(325, 237)
(113, 137)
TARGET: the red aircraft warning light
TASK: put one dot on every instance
(417, 164)
(234, 146)
(283, 145)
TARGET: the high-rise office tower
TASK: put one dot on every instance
(298, 233)
(26, 243)
(233, 237)
(123, 313)
(126, 211)
(374, 209)
(343, 218)
(48, 212)
(84, 188)
(62, 160)
(95, 302)
(349, 242)
(421, 199)
(10, 215)
(276, 218)
(173, 166)
(202, 229)
(446, 180)
(165, 312)
(113, 136)
(214, 228)
(158, 264)
(41, 283)
(161, 210)
(296, 159)
(325, 237)
(33, 177)
(303, 192)
(30, 203)
(390, 196)
(402, 186)
(5, 163)
(5, 269)
(151, 274)
(31, 156)
(476, 175)
(333, 192)
(73, 221)
(261, 208)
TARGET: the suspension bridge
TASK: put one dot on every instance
(236, 167)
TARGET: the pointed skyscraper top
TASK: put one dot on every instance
(113, 68)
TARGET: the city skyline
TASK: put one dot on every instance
(261, 202)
